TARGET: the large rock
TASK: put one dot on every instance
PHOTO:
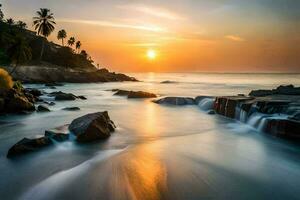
(71, 108)
(61, 96)
(283, 128)
(176, 101)
(91, 127)
(281, 90)
(59, 134)
(28, 145)
(19, 104)
(134, 94)
(141, 94)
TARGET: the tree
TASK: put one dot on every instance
(10, 21)
(19, 52)
(44, 24)
(61, 35)
(78, 45)
(21, 25)
(71, 41)
(1, 13)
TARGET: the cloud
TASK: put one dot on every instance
(151, 28)
(153, 11)
(234, 38)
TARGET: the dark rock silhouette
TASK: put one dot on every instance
(175, 101)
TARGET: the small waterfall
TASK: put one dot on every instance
(240, 114)
(206, 104)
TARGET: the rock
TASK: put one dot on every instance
(34, 92)
(19, 104)
(121, 92)
(283, 128)
(61, 96)
(175, 101)
(59, 134)
(82, 97)
(141, 94)
(281, 90)
(134, 94)
(168, 82)
(71, 108)
(261, 93)
(91, 127)
(53, 84)
(200, 98)
(227, 105)
(28, 145)
(211, 112)
(42, 108)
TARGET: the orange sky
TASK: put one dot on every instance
(223, 36)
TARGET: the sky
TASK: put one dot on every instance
(185, 35)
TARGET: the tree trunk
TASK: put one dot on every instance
(42, 50)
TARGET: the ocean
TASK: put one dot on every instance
(157, 151)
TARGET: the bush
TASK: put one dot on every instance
(18, 86)
(6, 81)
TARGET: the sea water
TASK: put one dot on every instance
(157, 151)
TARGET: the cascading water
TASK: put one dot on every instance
(206, 104)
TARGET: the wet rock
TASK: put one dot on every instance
(42, 108)
(91, 127)
(283, 128)
(270, 106)
(176, 101)
(28, 145)
(211, 112)
(168, 82)
(49, 103)
(281, 90)
(121, 92)
(82, 97)
(141, 94)
(71, 108)
(134, 94)
(227, 105)
(200, 98)
(18, 104)
(34, 92)
(59, 134)
(61, 96)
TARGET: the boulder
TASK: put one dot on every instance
(134, 94)
(91, 127)
(18, 104)
(141, 94)
(211, 112)
(34, 92)
(71, 108)
(58, 134)
(42, 108)
(61, 96)
(283, 128)
(28, 145)
(176, 101)
(82, 97)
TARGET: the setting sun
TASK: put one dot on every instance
(151, 54)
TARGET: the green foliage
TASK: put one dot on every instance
(18, 85)
(44, 22)
(19, 51)
(61, 35)
(6, 81)
(71, 41)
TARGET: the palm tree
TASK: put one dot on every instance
(19, 52)
(61, 35)
(10, 21)
(21, 25)
(44, 24)
(71, 41)
(1, 13)
(78, 45)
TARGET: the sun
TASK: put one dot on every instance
(151, 54)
